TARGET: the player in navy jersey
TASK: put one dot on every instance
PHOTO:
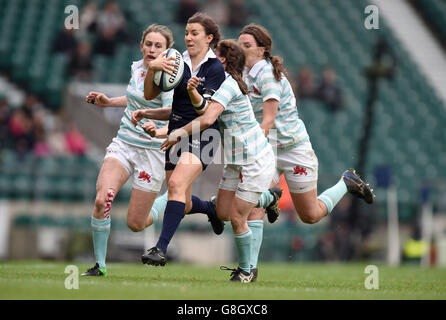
(193, 154)
(249, 158)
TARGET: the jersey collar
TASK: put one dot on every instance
(257, 67)
(186, 57)
(138, 64)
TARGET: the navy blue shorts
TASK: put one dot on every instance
(203, 145)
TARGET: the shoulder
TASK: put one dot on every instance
(230, 88)
(266, 71)
(230, 82)
(214, 65)
(137, 64)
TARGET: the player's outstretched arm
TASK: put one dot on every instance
(102, 100)
(154, 114)
(211, 114)
(155, 132)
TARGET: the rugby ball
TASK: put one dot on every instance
(165, 81)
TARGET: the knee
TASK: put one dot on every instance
(237, 220)
(102, 203)
(256, 214)
(135, 226)
(222, 216)
(308, 218)
(174, 186)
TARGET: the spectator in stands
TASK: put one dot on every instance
(329, 91)
(186, 9)
(217, 10)
(305, 83)
(56, 141)
(81, 65)
(75, 142)
(31, 107)
(238, 14)
(65, 42)
(21, 132)
(41, 147)
(111, 25)
(25, 123)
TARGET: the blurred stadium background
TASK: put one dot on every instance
(52, 142)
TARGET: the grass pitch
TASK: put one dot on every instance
(45, 280)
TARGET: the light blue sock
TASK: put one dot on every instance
(265, 199)
(256, 227)
(243, 242)
(100, 231)
(159, 206)
(332, 195)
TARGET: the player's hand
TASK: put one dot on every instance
(173, 138)
(98, 99)
(150, 128)
(163, 63)
(193, 83)
(137, 115)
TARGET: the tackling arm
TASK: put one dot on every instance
(270, 108)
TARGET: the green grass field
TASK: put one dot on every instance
(45, 280)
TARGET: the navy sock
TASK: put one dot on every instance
(199, 206)
(172, 217)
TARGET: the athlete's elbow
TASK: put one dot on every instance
(148, 96)
(207, 122)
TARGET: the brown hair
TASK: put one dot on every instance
(235, 61)
(263, 39)
(163, 30)
(209, 25)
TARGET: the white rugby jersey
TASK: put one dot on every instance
(243, 139)
(260, 80)
(135, 100)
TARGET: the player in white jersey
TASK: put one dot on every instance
(249, 158)
(275, 109)
(133, 153)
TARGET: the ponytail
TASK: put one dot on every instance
(238, 78)
(278, 68)
(235, 61)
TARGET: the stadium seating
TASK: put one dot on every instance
(48, 178)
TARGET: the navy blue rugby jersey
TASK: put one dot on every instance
(211, 74)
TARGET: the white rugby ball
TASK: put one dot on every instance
(165, 81)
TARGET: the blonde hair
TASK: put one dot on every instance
(163, 30)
